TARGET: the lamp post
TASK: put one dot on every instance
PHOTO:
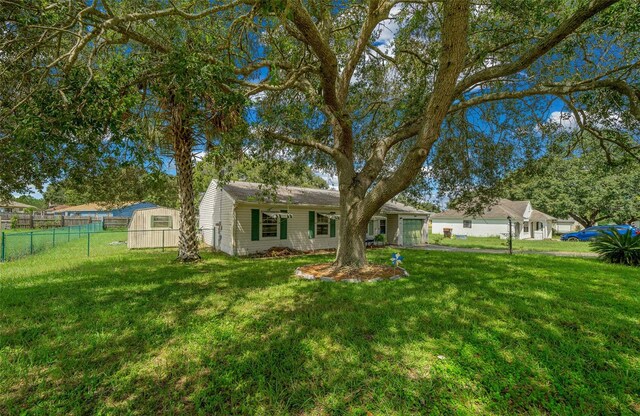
(510, 237)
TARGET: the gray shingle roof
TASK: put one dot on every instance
(540, 216)
(502, 209)
(294, 195)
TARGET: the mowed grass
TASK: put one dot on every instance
(136, 333)
(552, 245)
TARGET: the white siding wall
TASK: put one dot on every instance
(205, 212)
(393, 229)
(479, 227)
(297, 231)
(216, 218)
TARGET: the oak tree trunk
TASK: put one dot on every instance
(354, 219)
(182, 137)
(351, 248)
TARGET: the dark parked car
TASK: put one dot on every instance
(591, 233)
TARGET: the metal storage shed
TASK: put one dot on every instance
(154, 228)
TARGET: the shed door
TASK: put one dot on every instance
(411, 232)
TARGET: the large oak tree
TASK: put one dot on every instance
(456, 88)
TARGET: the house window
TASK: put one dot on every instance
(322, 224)
(383, 226)
(161, 221)
(370, 228)
(525, 227)
(539, 226)
(466, 223)
(269, 226)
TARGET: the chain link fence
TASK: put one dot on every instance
(18, 243)
(90, 240)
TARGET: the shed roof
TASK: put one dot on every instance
(295, 195)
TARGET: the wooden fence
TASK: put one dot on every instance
(34, 221)
(115, 222)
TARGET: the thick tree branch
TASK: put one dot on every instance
(619, 86)
(451, 59)
(556, 36)
(299, 142)
(376, 12)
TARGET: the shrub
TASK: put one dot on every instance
(616, 247)
(14, 222)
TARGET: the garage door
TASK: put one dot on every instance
(411, 232)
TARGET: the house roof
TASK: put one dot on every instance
(91, 207)
(502, 209)
(294, 195)
(94, 207)
(14, 204)
(539, 215)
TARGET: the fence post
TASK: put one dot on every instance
(2, 252)
(31, 241)
(68, 234)
(163, 240)
(88, 243)
(31, 221)
(62, 220)
(54, 237)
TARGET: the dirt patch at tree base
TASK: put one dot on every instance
(370, 273)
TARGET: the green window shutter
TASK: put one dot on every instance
(332, 227)
(283, 227)
(255, 224)
(312, 224)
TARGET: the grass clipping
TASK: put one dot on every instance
(370, 272)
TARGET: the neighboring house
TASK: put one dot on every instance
(15, 207)
(493, 221)
(566, 225)
(241, 218)
(103, 210)
(155, 227)
(84, 210)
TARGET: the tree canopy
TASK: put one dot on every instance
(115, 185)
(585, 188)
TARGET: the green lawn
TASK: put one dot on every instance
(519, 245)
(135, 333)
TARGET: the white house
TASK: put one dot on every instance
(494, 221)
(241, 218)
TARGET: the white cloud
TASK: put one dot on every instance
(387, 30)
(564, 119)
(330, 179)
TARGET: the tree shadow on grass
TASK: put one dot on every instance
(465, 333)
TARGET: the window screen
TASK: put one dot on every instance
(269, 226)
(322, 224)
(161, 221)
